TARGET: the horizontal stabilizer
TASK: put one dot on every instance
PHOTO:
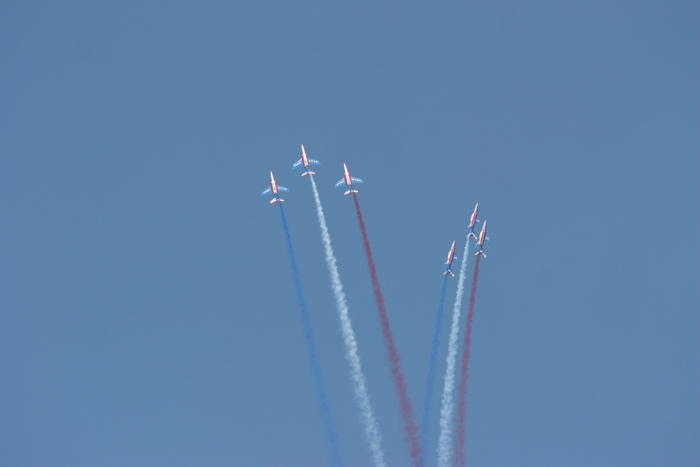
(480, 252)
(448, 272)
(274, 200)
(351, 191)
(308, 173)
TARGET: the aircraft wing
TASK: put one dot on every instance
(314, 162)
(340, 183)
(282, 188)
(267, 191)
(297, 164)
(356, 180)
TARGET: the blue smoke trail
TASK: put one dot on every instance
(311, 344)
(427, 405)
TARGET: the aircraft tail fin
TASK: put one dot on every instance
(275, 200)
(480, 252)
(449, 271)
(308, 173)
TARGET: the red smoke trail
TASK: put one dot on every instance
(458, 460)
(411, 431)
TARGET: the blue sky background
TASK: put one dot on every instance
(147, 309)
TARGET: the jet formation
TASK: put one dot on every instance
(348, 180)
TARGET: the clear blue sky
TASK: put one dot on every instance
(147, 309)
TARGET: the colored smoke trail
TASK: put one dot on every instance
(410, 430)
(311, 346)
(358, 378)
(447, 398)
(427, 405)
(464, 375)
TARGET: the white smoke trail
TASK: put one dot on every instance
(447, 394)
(370, 424)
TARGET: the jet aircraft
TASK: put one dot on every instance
(305, 161)
(275, 189)
(348, 180)
(450, 257)
(480, 242)
(472, 222)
